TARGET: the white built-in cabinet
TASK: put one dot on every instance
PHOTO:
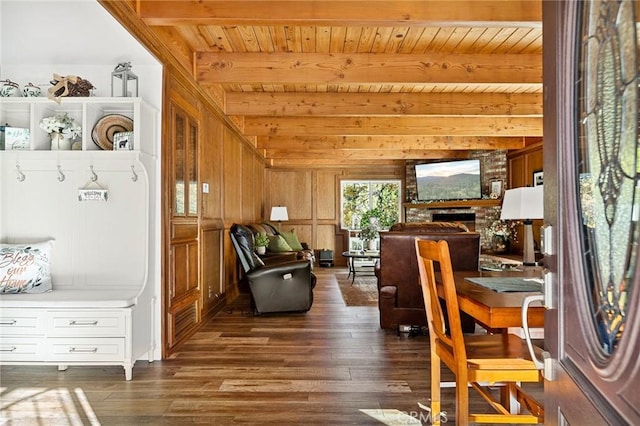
(28, 112)
(103, 309)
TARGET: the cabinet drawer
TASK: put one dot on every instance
(86, 323)
(79, 349)
(21, 349)
(22, 322)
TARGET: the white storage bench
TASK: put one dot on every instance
(67, 327)
(104, 259)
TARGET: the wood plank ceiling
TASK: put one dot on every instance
(316, 82)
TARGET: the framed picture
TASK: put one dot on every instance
(537, 178)
(16, 138)
(496, 188)
(355, 245)
(123, 141)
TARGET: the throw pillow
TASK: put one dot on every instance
(292, 239)
(278, 244)
(25, 268)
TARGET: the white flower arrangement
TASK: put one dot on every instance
(61, 123)
(504, 229)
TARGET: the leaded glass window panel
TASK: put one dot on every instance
(608, 162)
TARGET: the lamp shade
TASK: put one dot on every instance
(523, 203)
(279, 213)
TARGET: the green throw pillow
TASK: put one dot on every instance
(292, 239)
(278, 244)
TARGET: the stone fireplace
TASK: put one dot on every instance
(475, 215)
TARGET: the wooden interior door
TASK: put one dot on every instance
(591, 204)
(182, 292)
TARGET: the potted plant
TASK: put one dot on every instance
(382, 218)
(261, 242)
(370, 218)
(369, 233)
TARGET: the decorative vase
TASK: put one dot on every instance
(60, 142)
(261, 250)
(500, 244)
(372, 245)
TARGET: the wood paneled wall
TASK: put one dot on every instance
(522, 164)
(234, 173)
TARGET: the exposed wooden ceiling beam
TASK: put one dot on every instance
(343, 104)
(365, 154)
(341, 68)
(521, 13)
(423, 125)
(333, 163)
(391, 142)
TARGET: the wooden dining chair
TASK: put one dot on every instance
(475, 360)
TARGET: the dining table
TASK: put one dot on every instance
(498, 310)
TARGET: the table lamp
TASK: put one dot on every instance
(279, 213)
(524, 204)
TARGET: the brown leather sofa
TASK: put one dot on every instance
(400, 296)
(267, 228)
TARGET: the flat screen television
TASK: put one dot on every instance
(449, 180)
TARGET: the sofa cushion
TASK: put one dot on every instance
(262, 228)
(278, 244)
(292, 239)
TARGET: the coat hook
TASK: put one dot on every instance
(61, 176)
(135, 176)
(94, 176)
(21, 177)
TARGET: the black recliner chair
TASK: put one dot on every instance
(278, 287)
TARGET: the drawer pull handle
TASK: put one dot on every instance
(9, 322)
(11, 349)
(74, 322)
(83, 350)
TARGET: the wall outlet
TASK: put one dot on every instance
(205, 188)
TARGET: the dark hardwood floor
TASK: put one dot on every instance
(330, 366)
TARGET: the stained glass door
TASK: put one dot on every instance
(592, 330)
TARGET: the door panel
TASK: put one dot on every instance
(184, 261)
(590, 165)
(182, 297)
(211, 268)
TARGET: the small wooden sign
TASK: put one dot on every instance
(87, 194)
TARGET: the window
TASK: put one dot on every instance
(359, 197)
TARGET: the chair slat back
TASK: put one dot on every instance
(429, 253)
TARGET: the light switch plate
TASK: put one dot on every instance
(205, 188)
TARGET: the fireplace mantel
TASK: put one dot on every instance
(453, 204)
